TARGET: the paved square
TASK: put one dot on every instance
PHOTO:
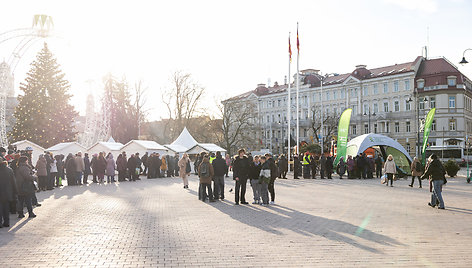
(315, 223)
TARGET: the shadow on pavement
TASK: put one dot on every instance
(273, 219)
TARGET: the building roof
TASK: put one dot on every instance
(62, 145)
(112, 146)
(435, 72)
(211, 147)
(312, 78)
(149, 145)
(185, 139)
(28, 142)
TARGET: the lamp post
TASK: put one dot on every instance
(418, 144)
(373, 114)
(322, 79)
(464, 61)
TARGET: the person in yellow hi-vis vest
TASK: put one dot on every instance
(212, 157)
(306, 162)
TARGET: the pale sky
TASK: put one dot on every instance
(231, 46)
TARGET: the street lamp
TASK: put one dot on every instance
(322, 78)
(418, 144)
(373, 114)
(464, 61)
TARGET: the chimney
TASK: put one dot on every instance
(260, 85)
(361, 66)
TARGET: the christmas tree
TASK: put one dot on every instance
(44, 115)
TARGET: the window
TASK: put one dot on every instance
(432, 102)
(452, 102)
(273, 120)
(354, 109)
(433, 126)
(365, 91)
(335, 110)
(452, 124)
(386, 107)
(268, 119)
(305, 100)
(407, 105)
(385, 85)
(314, 97)
(366, 108)
(408, 126)
(451, 81)
(387, 127)
(343, 93)
(375, 128)
(353, 92)
(278, 118)
(304, 132)
(395, 86)
(270, 104)
(408, 147)
(421, 104)
(366, 128)
(407, 84)
(397, 127)
(420, 83)
(327, 95)
(334, 95)
(376, 89)
(354, 129)
(376, 108)
(279, 102)
(396, 106)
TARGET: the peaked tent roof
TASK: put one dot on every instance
(210, 147)
(112, 146)
(150, 145)
(185, 140)
(27, 142)
(111, 139)
(365, 141)
(176, 148)
(63, 145)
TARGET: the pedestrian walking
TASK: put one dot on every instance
(390, 169)
(436, 173)
(341, 168)
(297, 167)
(378, 166)
(183, 163)
(283, 166)
(264, 180)
(329, 167)
(416, 171)
(100, 167)
(80, 167)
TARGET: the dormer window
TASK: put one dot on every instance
(451, 81)
(420, 83)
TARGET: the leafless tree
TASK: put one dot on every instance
(183, 101)
(238, 124)
(330, 124)
(140, 101)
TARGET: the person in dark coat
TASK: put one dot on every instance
(297, 167)
(378, 166)
(60, 169)
(273, 176)
(170, 166)
(121, 167)
(87, 170)
(435, 172)
(176, 165)
(241, 166)
(144, 159)
(329, 167)
(254, 177)
(219, 167)
(132, 166)
(323, 167)
(25, 187)
(70, 170)
(7, 193)
(50, 179)
(283, 166)
(341, 168)
(100, 167)
(93, 163)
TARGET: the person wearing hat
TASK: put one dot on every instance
(25, 187)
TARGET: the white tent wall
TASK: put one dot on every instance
(66, 148)
(98, 147)
(133, 147)
(211, 148)
(37, 150)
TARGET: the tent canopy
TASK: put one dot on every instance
(143, 146)
(386, 144)
(37, 150)
(185, 140)
(66, 147)
(176, 148)
(101, 146)
(206, 147)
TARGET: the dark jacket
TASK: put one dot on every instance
(144, 159)
(219, 166)
(273, 168)
(255, 171)
(206, 179)
(241, 167)
(100, 165)
(132, 164)
(434, 170)
(70, 166)
(283, 164)
(7, 184)
(121, 163)
(87, 165)
(24, 179)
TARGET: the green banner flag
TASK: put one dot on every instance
(343, 131)
(427, 130)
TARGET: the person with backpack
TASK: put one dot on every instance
(416, 171)
(206, 173)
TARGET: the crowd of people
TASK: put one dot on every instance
(20, 179)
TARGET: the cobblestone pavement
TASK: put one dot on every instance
(315, 223)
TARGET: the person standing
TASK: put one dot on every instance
(42, 173)
(283, 166)
(163, 167)
(297, 167)
(87, 170)
(436, 173)
(25, 187)
(110, 171)
(121, 167)
(132, 167)
(7, 193)
(264, 179)
(341, 168)
(49, 179)
(306, 165)
(170, 166)
(219, 168)
(80, 167)
(176, 165)
(273, 176)
(54, 172)
(228, 164)
(378, 166)
(206, 173)
(390, 169)
(93, 164)
(350, 167)
(329, 167)
(183, 162)
(254, 177)
(139, 165)
(145, 163)
(70, 170)
(241, 166)
(416, 171)
(100, 166)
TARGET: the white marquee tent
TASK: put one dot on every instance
(107, 147)
(65, 148)
(37, 150)
(183, 143)
(384, 144)
(143, 146)
(206, 147)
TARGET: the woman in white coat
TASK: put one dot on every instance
(390, 169)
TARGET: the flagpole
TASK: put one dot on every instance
(289, 103)
(298, 94)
